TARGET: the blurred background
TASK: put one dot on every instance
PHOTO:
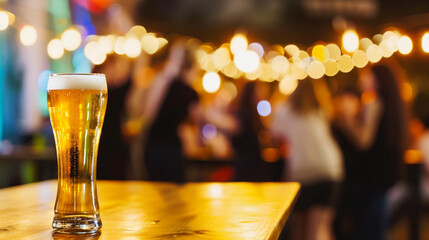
(223, 68)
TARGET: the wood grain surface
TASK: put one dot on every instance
(147, 210)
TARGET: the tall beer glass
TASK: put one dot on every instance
(77, 104)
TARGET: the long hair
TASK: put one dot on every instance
(304, 99)
(395, 116)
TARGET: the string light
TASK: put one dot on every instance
(132, 47)
(150, 44)
(288, 85)
(316, 69)
(264, 108)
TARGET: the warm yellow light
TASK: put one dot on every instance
(71, 39)
(150, 44)
(94, 52)
(377, 38)
(359, 59)
(425, 42)
(320, 53)
(132, 47)
(334, 51)
(292, 50)
(257, 48)
(298, 71)
(345, 63)
(231, 70)
(55, 49)
(137, 31)
(11, 17)
(28, 35)
(255, 74)
(303, 54)
(208, 64)
(374, 53)
(107, 43)
(350, 41)
(331, 68)
(288, 85)
(162, 42)
(364, 43)
(4, 20)
(280, 64)
(405, 45)
(385, 50)
(267, 73)
(392, 40)
(221, 58)
(316, 69)
(247, 61)
(238, 44)
(211, 82)
(119, 46)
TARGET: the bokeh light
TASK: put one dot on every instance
(359, 59)
(162, 42)
(238, 43)
(247, 61)
(28, 35)
(288, 85)
(71, 39)
(257, 48)
(221, 58)
(119, 47)
(350, 41)
(425, 42)
(264, 108)
(320, 53)
(4, 20)
(150, 44)
(292, 50)
(280, 64)
(316, 69)
(137, 31)
(345, 63)
(107, 43)
(385, 50)
(55, 49)
(132, 47)
(334, 51)
(364, 43)
(211, 82)
(94, 53)
(374, 53)
(331, 68)
(209, 131)
(405, 45)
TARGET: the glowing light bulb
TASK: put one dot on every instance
(374, 53)
(119, 46)
(345, 63)
(405, 45)
(94, 52)
(211, 82)
(4, 20)
(334, 51)
(350, 41)
(238, 43)
(71, 39)
(264, 108)
(55, 49)
(247, 61)
(320, 53)
(331, 68)
(107, 43)
(425, 42)
(28, 35)
(359, 59)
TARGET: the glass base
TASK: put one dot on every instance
(76, 224)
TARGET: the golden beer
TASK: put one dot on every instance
(77, 109)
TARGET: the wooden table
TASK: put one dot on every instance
(147, 210)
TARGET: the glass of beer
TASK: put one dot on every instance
(77, 104)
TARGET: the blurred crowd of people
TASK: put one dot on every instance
(345, 147)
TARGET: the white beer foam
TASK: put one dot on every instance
(77, 81)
